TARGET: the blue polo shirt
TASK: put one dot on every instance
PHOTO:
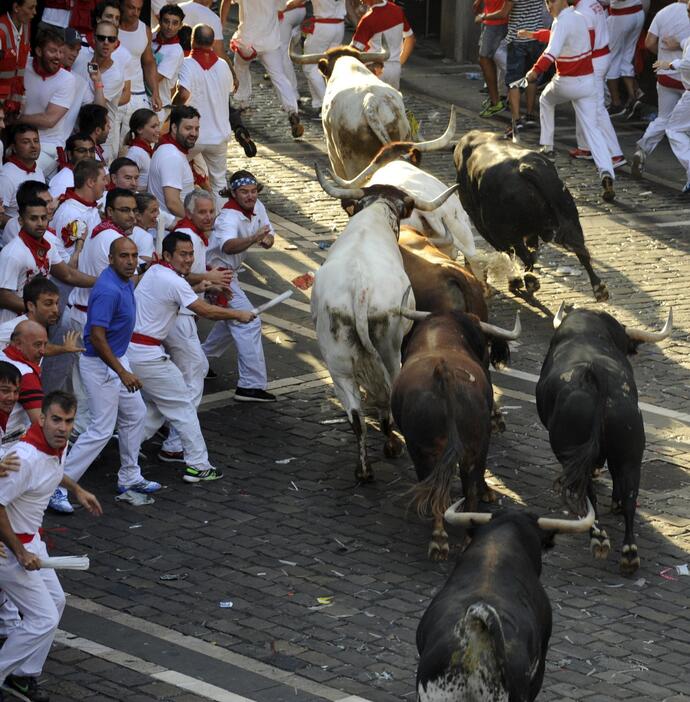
(111, 306)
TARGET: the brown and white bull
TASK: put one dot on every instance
(357, 304)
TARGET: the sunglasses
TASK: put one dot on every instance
(106, 37)
(84, 150)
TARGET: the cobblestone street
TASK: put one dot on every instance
(287, 580)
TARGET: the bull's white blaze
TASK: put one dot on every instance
(456, 689)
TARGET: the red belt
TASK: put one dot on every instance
(145, 340)
(596, 53)
(25, 538)
(625, 10)
(246, 57)
(81, 308)
(308, 24)
(669, 82)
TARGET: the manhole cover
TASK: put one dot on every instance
(661, 476)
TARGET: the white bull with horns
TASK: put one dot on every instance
(359, 302)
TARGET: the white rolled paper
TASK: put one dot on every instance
(66, 562)
(272, 303)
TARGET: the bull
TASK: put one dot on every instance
(514, 198)
(442, 403)
(485, 635)
(587, 399)
(357, 303)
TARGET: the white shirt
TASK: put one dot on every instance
(80, 96)
(18, 267)
(57, 89)
(62, 180)
(114, 79)
(56, 17)
(159, 296)
(683, 64)
(596, 20)
(10, 231)
(135, 42)
(11, 177)
(144, 241)
(170, 169)
(209, 94)
(233, 224)
(67, 216)
(258, 29)
(169, 59)
(6, 329)
(329, 8)
(670, 22)
(18, 421)
(194, 14)
(143, 160)
(199, 265)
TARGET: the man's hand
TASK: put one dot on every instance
(525, 34)
(96, 76)
(661, 65)
(9, 464)
(72, 343)
(670, 43)
(235, 84)
(219, 276)
(89, 501)
(267, 241)
(244, 316)
(130, 381)
(29, 561)
(531, 76)
(156, 104)
(480, 17)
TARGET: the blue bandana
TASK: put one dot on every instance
(239, 182)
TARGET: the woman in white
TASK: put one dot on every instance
(144, 131)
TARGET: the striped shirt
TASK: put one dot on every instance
(525, 14)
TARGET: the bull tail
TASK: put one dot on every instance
(432, 495)
(371, 106)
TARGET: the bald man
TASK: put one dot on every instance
(27, 347)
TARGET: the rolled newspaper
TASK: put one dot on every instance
(66, 562)
(272, 303)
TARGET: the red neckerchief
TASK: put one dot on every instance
(70, 194)
(142, 145)
(167, 139)
(165, 264)
(100, 156)
(21, 165)
(39, 250)
(40, 72)
(188, 224)
(107, 224)
(109, 186)
(232, 204)
(164, 42)
(206, 58)
(63, 161)
(36, 438)
(4, 416)
(16, 355)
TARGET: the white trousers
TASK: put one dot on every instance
(604, 124)
(186, 353)
(216, 158)
(47, 160)
(251, 364)
(39, 598)
(678, 132)
(118, 131)
(624, 31)
(77, 319)
(667, 100)
(290, 27)
(324, 37)
(272, 61)
(166, 399)
(391, 73)
(110, 405)
(581, 91)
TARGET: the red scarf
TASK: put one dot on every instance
(4, 416)
(71, 194)
(21, 165)
(40, 72)
(161, 41)
(107, 224)
(100, 156)
(188, 224)
(80, 18)
(36, 438)
(142, 145)
(39, 250)
(165, 264)
(16, 355)
(232, 204)
(167, 139)
(206, 58)
(63, 161)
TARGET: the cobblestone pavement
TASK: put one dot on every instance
(289, 526)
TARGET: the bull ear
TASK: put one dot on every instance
(323, 67)
(408, 204)
(415, 157)
(350, 206)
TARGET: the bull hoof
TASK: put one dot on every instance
(364, 474)
(599, 543)
(498, 425)
(488, 496)
(515, 285)
(616, 507)
(532, 283)
(601, 292)
(630, 561)
(438, 546)
(393, 448)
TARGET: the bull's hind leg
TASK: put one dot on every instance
(626, 483)
(598, 538)
(438, 546)
(363, 472)
(601, 293)
(393, 447)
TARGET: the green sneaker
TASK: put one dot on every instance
(194, 475)
(492, 110)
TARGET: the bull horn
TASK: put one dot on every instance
(414, 315)
(466, 519)
(501, 333)
(302, 59)
(429, 205)
(558, 319)
(652, 337)
(359, 180)
(443, 140)
(569, 526)
(333, 190)
(369, 56)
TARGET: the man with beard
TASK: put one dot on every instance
(21, 166)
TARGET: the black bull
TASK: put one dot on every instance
(514, 197)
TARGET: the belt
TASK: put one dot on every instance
(308, 24)
(143, 92)
(625, 10)
(25, 538)
(81, 308)
(603, 51)
(145, 340)
(669, 82)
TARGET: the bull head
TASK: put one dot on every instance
(489, 329)
(328, 59)
(563, 526)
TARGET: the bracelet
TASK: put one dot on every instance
(98, 85)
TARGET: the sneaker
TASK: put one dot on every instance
(632, 109)
(492, 110)
(171, 456)
(145, 487)
(243, 138)
(530, 120)
(59, 503)
(253, 395)
(519, 126)
(27, 687)
(638, 163)
(548, 152)
(295, 127)
(686, 189)
(608, 194)
(584, 154)
(194, 475)
(616, 110)
(618, 161)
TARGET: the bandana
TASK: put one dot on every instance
(36, 438)
(245, 180)
(70, 194)
(39, 250)
(165, 264)
(107, 224)
(21, 165)
(15, 354)
(63, 161)
(167, 139)
(161, 41)
(144, 145)
(188, 224)
(206, 58)
(40, 72)
(4, 416)
(232, 204)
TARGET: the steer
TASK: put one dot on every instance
(514, 197)
(442, 403)
(357, 304)
(587, 399)
(485, 635)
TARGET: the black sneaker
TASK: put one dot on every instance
(27, 687)
(530, 120)
(253, 395)
(616, 110)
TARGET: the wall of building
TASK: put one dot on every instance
(459, 32)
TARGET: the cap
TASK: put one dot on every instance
(72, 36)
